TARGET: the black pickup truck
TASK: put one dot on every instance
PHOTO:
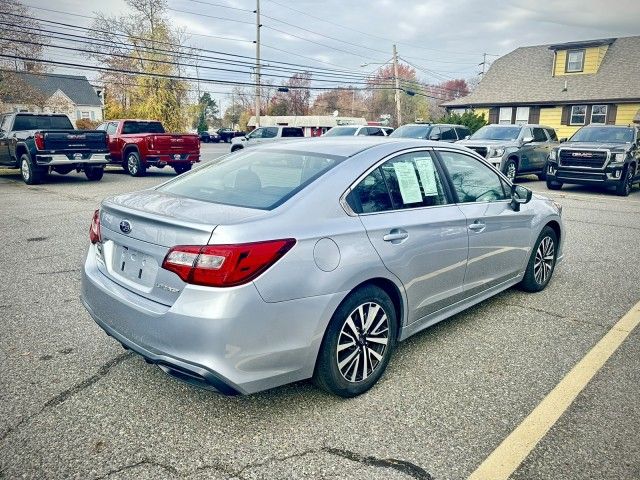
(604, 155)
(40, 143)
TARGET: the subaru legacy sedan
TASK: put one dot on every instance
(310, 259)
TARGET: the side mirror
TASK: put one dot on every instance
(467, 137)
(435, 136)
(527, 140)
(563, 139)
(519, 196)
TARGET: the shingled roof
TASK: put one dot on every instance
(524, 77)
(76, 87)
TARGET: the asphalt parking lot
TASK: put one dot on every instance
(76, 405)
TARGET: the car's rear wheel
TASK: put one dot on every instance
(134, 166)
(542, 262)
(511, 169)
(626, 183)
(32, 174)
(94, 174)
(553, 185)
(235, 148)
(358, 343)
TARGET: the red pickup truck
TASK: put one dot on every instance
(139, 144)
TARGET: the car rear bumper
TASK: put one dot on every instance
(57, 159)
(229, 340)
(172, 159)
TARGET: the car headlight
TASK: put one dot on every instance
(619, 157)
(552, 155)
(498, 152)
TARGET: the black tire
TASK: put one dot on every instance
(235, 148)
(182, 168)
(63, 169)
(510, 169)
(542, 176)
(328, 374)
(625, 185)
(94, 174)
(540, 268)
(553, 185)
(133, 165)
(32, 174)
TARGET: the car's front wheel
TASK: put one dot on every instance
(358, 343)
(553, 185)
(542, 262)
(626, 183)
(511, 169)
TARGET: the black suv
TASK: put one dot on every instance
(427, 131)
(606, 155)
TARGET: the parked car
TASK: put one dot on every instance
(387, 130)
(266, 135)
(355, 130)
(227, 134)
(40, 143)
(310, 259)
(597, 155)
(514, 149)
(140, 144)
(439, 132)
(205, 137)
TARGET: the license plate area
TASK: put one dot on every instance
(134, 266)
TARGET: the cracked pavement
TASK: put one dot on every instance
(75, 405)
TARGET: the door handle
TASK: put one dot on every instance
(477, 226)
(396, 236)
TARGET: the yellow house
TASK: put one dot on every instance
(564, 86)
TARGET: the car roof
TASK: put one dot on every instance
(518, 125)
(434, 125)
(349, 146)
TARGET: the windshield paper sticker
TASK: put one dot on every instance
(427, 174)
(408, 182)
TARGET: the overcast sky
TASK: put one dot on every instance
(444, 39)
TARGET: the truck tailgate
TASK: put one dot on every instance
(76, 140)
(176, 143)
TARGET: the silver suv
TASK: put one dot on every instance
(265, 135)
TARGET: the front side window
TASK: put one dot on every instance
(257, 133)
(599, 114)
(578, 115)
(269, 132)
(472, 180)
(575, 61)
(251, 179)
(505, 115)
(411, 131)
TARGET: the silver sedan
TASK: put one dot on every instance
(310, 258)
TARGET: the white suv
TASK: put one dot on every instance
(266, 134)
(354, 130)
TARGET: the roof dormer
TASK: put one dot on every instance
(578, 58)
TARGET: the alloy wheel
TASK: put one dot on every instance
(511, 171)
(362, 343)
(24, 168)
(132, 164)
(543, 263)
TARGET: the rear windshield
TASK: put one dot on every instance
(341, 132)
(411, 131)
(603, 134)
(130, 128)
(256, 178)
(42, 122)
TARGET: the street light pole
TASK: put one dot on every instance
(395, 74)
(257, 63)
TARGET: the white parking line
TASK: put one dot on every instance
(505, 459)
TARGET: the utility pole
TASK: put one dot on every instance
(395, 74)
(484, 62)
(257, 63)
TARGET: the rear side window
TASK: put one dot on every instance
(111, 128)
(552, 134)
(375, 131)
(133, 128)
(292, 132)
(447, 133)
(42, 122)
(539, 135)
(253, 179)
(407, 181)
(463, 132)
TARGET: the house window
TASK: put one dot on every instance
(93, 115)
(599, 114)
(505, 115)
(575, 61)
(522, 115)
(78, 115)
(578, 115)
(85, 115)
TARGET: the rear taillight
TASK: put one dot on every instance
(225, 265)
(94, 230)
(39, 140)
(150, 143)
